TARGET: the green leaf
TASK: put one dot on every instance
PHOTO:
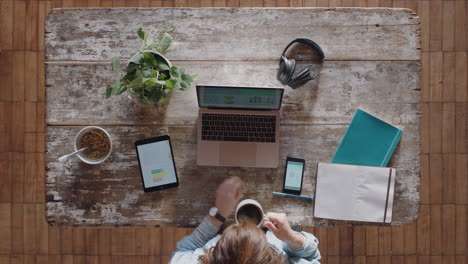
(138, 59)
(131, 67)
(162, 66)
(155, 95)
(136, 84)
(155, 73)
(149, 87)
(150, 81)
(165, 42)
(141, 33)
(139, 74)
(184, 86)
(163, 96)
(177, 86)
(150, 61)
(115, 87)
(115, 63)
(170, 84)
(147, 74)
(186, 78)
(175, 72)
(108, 91)
(121, 89)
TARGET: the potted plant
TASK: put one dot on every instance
(149, 76)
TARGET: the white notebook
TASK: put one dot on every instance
(354, 193)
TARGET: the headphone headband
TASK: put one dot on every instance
(309, 43)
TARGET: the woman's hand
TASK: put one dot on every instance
(228, 196)
(279, 225)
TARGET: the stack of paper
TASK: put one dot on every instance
(356, 193)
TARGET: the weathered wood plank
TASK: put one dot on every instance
(246, 34)
(82, 194)
(389, 90)
(372, 63)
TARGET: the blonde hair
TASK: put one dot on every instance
(243, 243)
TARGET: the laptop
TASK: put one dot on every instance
(238, 126)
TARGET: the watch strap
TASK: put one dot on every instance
(220, 218)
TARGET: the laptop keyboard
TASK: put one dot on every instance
(236, 127)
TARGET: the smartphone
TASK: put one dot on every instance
(293, 174)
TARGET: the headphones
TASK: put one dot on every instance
(287, 66)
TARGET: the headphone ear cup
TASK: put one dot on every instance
(301, 78)
(305, 73)
(286, 70)
(297, 83)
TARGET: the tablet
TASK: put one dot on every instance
(157, 167)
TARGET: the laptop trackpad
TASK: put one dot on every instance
(237, 154)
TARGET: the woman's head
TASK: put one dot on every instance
(243, 243)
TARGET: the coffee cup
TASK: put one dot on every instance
(250, 210)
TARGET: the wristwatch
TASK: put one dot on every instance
(214, 212)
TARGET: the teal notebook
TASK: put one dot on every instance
(368, 141)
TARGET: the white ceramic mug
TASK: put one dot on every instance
(254, 203)
(77, 141)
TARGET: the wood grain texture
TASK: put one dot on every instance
(5, 228)
(436, 16)
(359, 241)
(6, 22)
(461, 72)
(436, 229)
(461, 179)
(5, 178)
(425, 179)
(436, 178)
(424, 231)
(389, 90)
(410, 242)
(104, 246)
(448, 226)
(66, 236)
(424, 13)
(386, 84)
(448, 25)
(435, 127)
(17, 229)
(461, 230)
(98, 34)
(372, 240)
(122, 201)
(448, 128)
(460, 25)
(54, 239)
(19, 25)
(29, 229)
(461, 127)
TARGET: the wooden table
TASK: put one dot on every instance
(372, 63)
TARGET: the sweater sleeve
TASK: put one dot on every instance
(202, 234)
(309, 250)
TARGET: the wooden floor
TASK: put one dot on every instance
(440, 235)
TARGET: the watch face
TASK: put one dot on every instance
(213, 211)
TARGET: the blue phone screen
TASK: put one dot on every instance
(293, 175)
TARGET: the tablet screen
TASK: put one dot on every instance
(157, 166)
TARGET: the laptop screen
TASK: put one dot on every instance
(239, 97)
